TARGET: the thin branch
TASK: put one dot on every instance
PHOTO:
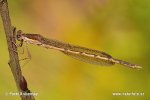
(14, 60)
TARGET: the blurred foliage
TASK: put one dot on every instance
(119, 27)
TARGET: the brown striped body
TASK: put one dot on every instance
(80, 53)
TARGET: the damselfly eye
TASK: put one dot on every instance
(19, 33)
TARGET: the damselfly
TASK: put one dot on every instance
(80, 53)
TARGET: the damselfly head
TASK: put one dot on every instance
(19, 35)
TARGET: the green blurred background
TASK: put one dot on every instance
(118, 27)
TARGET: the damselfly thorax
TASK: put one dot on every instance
(80, 53)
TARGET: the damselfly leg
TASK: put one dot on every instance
(28, 58)
(23, 46)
